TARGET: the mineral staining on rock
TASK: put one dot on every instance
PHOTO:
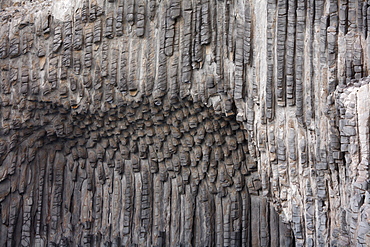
(184, 123)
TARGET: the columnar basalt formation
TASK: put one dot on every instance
(184, 123)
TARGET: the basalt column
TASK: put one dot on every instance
(184, 123)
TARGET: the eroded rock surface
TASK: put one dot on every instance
(184, 123)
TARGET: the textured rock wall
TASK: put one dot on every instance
(184, 123)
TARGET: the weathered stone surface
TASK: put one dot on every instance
(184, 123)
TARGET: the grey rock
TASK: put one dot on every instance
(181, 123)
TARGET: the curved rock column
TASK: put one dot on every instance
(184, 123)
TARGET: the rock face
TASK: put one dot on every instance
(184, 123)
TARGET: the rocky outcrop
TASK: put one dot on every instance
(184, 123)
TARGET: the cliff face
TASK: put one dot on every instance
(184, 123)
